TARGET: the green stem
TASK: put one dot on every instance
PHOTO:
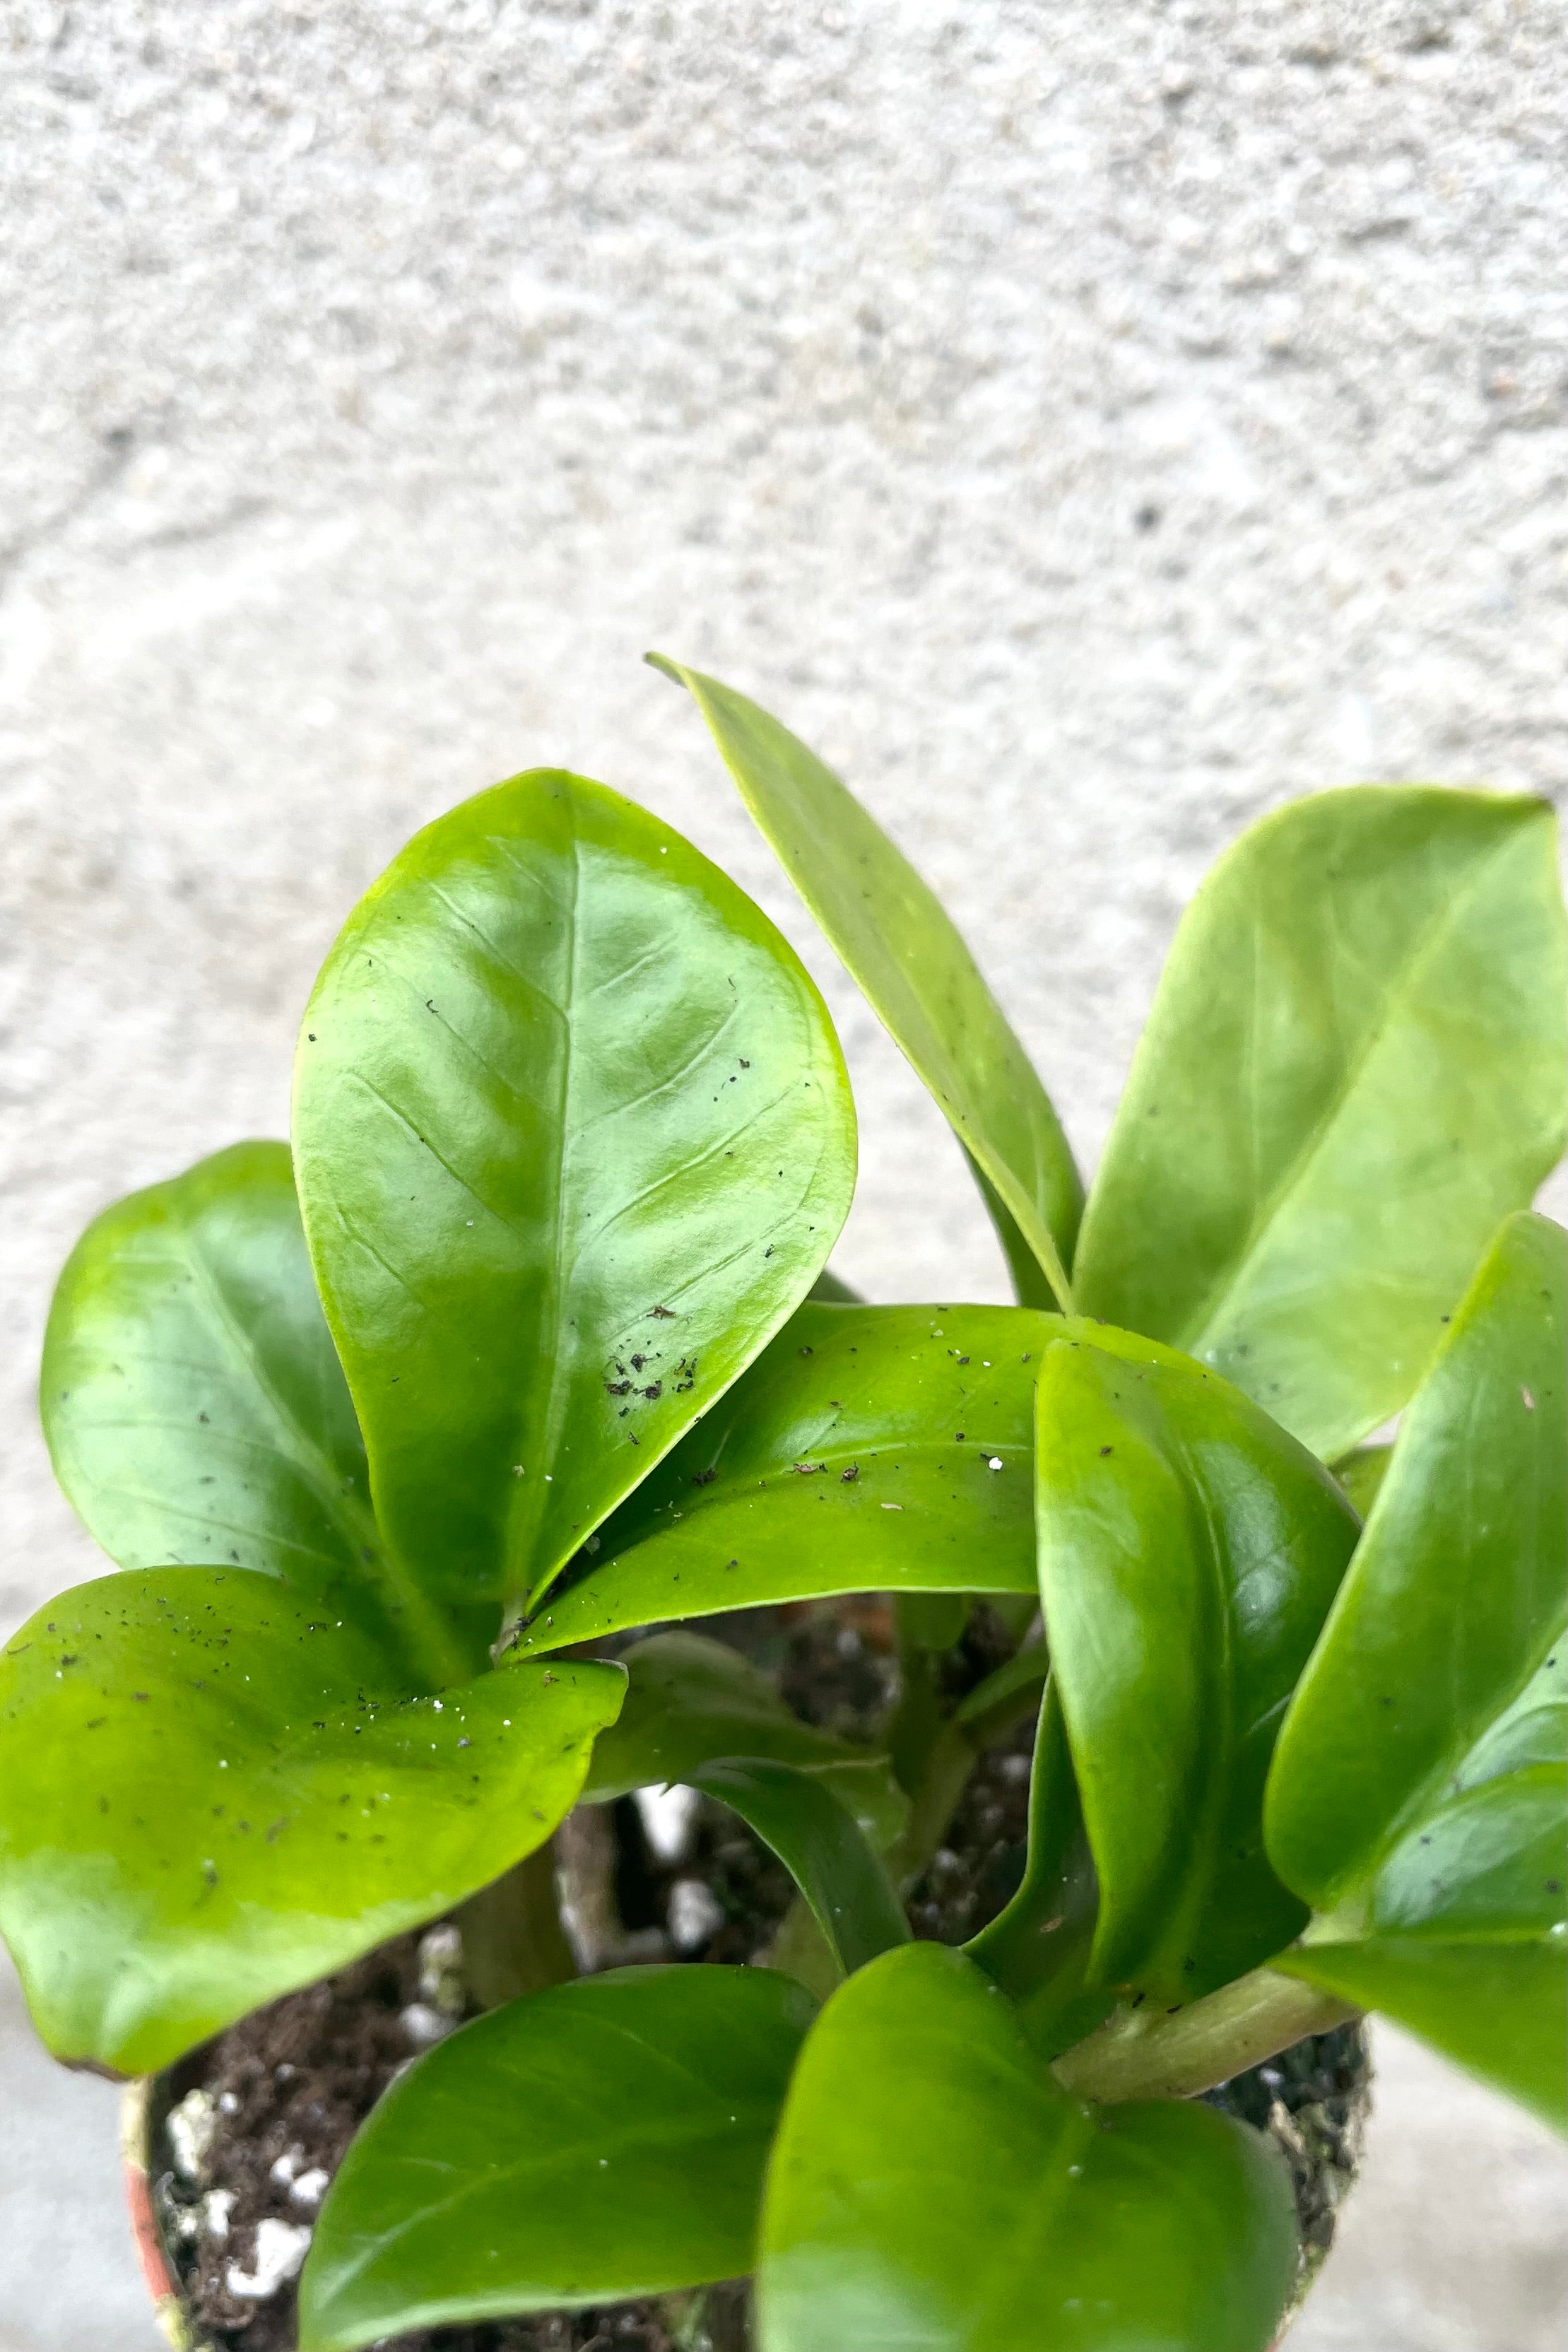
(513, 1941)
(988, 1715)
(1140, 2056)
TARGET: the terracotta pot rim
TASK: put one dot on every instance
(135, 2131)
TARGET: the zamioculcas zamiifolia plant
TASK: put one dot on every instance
(402, 1440)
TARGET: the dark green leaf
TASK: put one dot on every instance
(821, 1846)
(213, 1793)
(918, 976)
(195, 1408)
(690, 1702)
(1418, 1794)
(1038, 1948)
(1352, 1070)
(829, 1291)
(573, 1137)
(598, 2141)
(932, 2186)
(856, 1456)
(1188, 1553)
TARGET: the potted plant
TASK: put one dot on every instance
(409, 1443)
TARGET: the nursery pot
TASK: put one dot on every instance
(227, 2154)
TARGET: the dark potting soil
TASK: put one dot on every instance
(250, 2129)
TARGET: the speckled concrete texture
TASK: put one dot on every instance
(1090, 426)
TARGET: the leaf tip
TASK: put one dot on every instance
(671, 670)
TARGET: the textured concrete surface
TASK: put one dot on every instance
(1090, 426)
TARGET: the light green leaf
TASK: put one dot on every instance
(1352, 1070)
(856, 1456)
(573, 1137)
(196, 1408)
(213, 1793)
(1455, 1595)
(821, 1846)
(1497, 2008)
(931, 2186)
(1362, 1473)
(1418, 1789)
(1188, 1553)
(690, 1702)
(919, 978)
(602, 2140)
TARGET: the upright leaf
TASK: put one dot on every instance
(603, 2139)
(1354, 1068)
(194, 1406)
(932, 2186)
(1417, 1793)
(822, 1847)
(573, 1137)
(691, 1702)
(210, 1793)
(1038, 1948)
(1188, 1553)
(869, 1448)
(920, 978)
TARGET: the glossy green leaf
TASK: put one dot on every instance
(1457, 1591)
(1497, 2008)
(1420, 1784)
(931, 2186)
(573, 1137)
(602, 2140)
(1188, 1553)
(1038, 1948)
(691, 1702)
(856, 1456)
(823, 1848)
(919, 978)
(1354, 1068)
(213, 1793)
(194, 1406)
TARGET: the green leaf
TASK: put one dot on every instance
(855, 1456)
(1038, 1948)
(691, 1702)
(1352, 1070)
(1361, 1473)
(604, 2139)
(1419, 1788)
(919, 978)
(212, 1793)
(1497, 2008)
(931, 2186)
(194, 1406)
(829, 1291)
(573, 1137)
(822, 1847)
(1188, 1553)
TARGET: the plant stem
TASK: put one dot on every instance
(513, 1941)
(988, 1715)
(1137, 2056)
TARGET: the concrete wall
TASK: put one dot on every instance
(1090, 426)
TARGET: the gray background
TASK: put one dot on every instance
(1089, 425)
